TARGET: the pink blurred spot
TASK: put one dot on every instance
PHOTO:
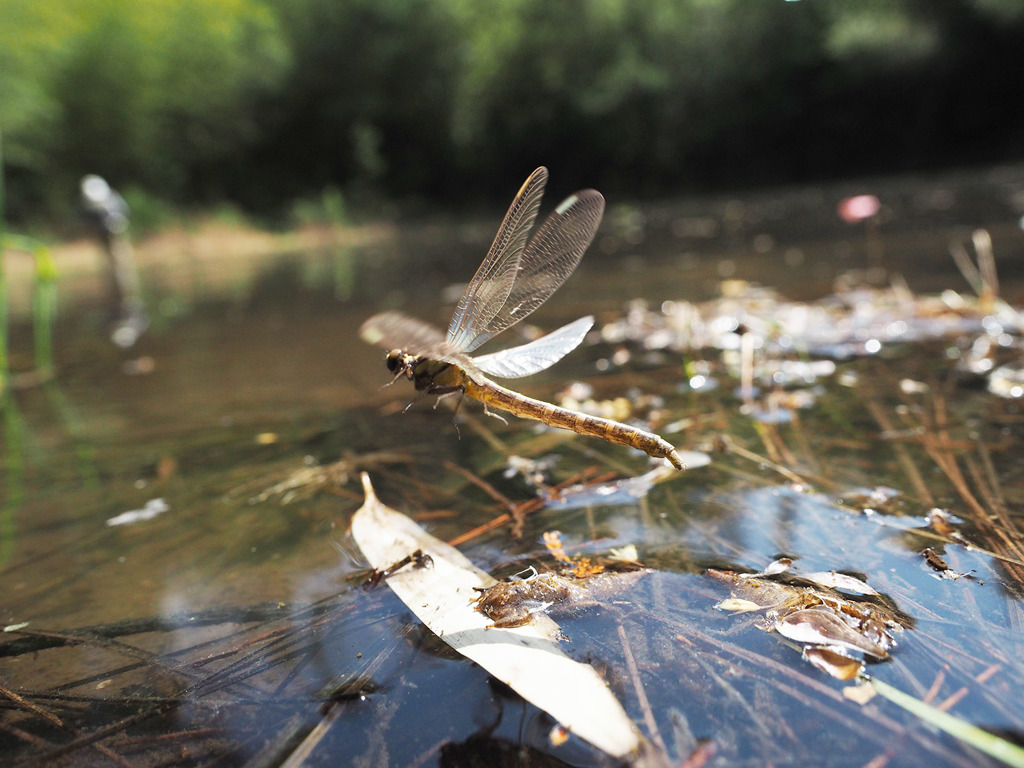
(854, 209)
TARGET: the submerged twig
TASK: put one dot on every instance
(793, 477)
(21, 701)
(638, 688)
(517, 514)
(910, 469)
(301, 753)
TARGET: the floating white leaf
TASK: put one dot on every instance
(841, 581)
(152, 508)
(528, 658)
(817, 626)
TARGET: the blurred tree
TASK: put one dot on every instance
(366, 101)
(651, 92)
(267, 101)
(146, 92)
(31, 35)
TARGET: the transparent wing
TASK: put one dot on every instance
(548, 260)
(527, 359)
(393, 330)
(552, 255)
(489, 289)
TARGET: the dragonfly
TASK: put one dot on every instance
(518, 274)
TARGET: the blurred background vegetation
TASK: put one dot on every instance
(263, 104)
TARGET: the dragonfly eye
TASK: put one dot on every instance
(395, 361)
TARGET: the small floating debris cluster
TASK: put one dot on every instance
(838, 619)
(151, 509)
(759, 332)
(577, 582)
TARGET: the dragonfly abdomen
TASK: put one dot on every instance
(525, 407)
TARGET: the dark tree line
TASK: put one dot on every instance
(264, 102)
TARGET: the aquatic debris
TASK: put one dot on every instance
(628, 490)
(833, 663)
(836, 632)
(871, 500)
(940, 566)
(1007, 381)
(553, 542)
(534, 471)
(527, 658)
(858, 319)
(759, 332)
(313, 477)
(984, 279)
(821, 627)
(626, 554)
(942, 522)
(307, 480)
(581, 567)
(831, 579)
(515, 602)
(841, 581)
(152, 508)
(778, 565)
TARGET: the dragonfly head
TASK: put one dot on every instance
(400, 363)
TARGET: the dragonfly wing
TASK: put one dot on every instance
(393, 330)
(548, 260)
(489, 289)
(542, 353)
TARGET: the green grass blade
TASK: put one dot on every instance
(980, 739)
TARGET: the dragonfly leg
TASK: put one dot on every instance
(422, 393)
(443, 395)
(398, 375)
(494, 415)
(458, 404)
(418, 559)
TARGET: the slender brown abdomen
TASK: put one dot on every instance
(525, 407)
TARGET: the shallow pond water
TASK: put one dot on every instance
(226, 622)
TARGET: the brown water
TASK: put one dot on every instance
(212, 633)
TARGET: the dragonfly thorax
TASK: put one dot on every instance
(431, 376)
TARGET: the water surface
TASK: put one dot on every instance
(232, 622)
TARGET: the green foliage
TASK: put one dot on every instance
(877, 31)
(638, 86)
(263, 102)
(44, 300)
(4, 365)
(366, 102)
(153, 93)
(327, 208)
(149, 212)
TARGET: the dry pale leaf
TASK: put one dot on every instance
(737, 605)
(528, 658)
(841, 581)
(816, 626)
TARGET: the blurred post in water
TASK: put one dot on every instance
(108, 213)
